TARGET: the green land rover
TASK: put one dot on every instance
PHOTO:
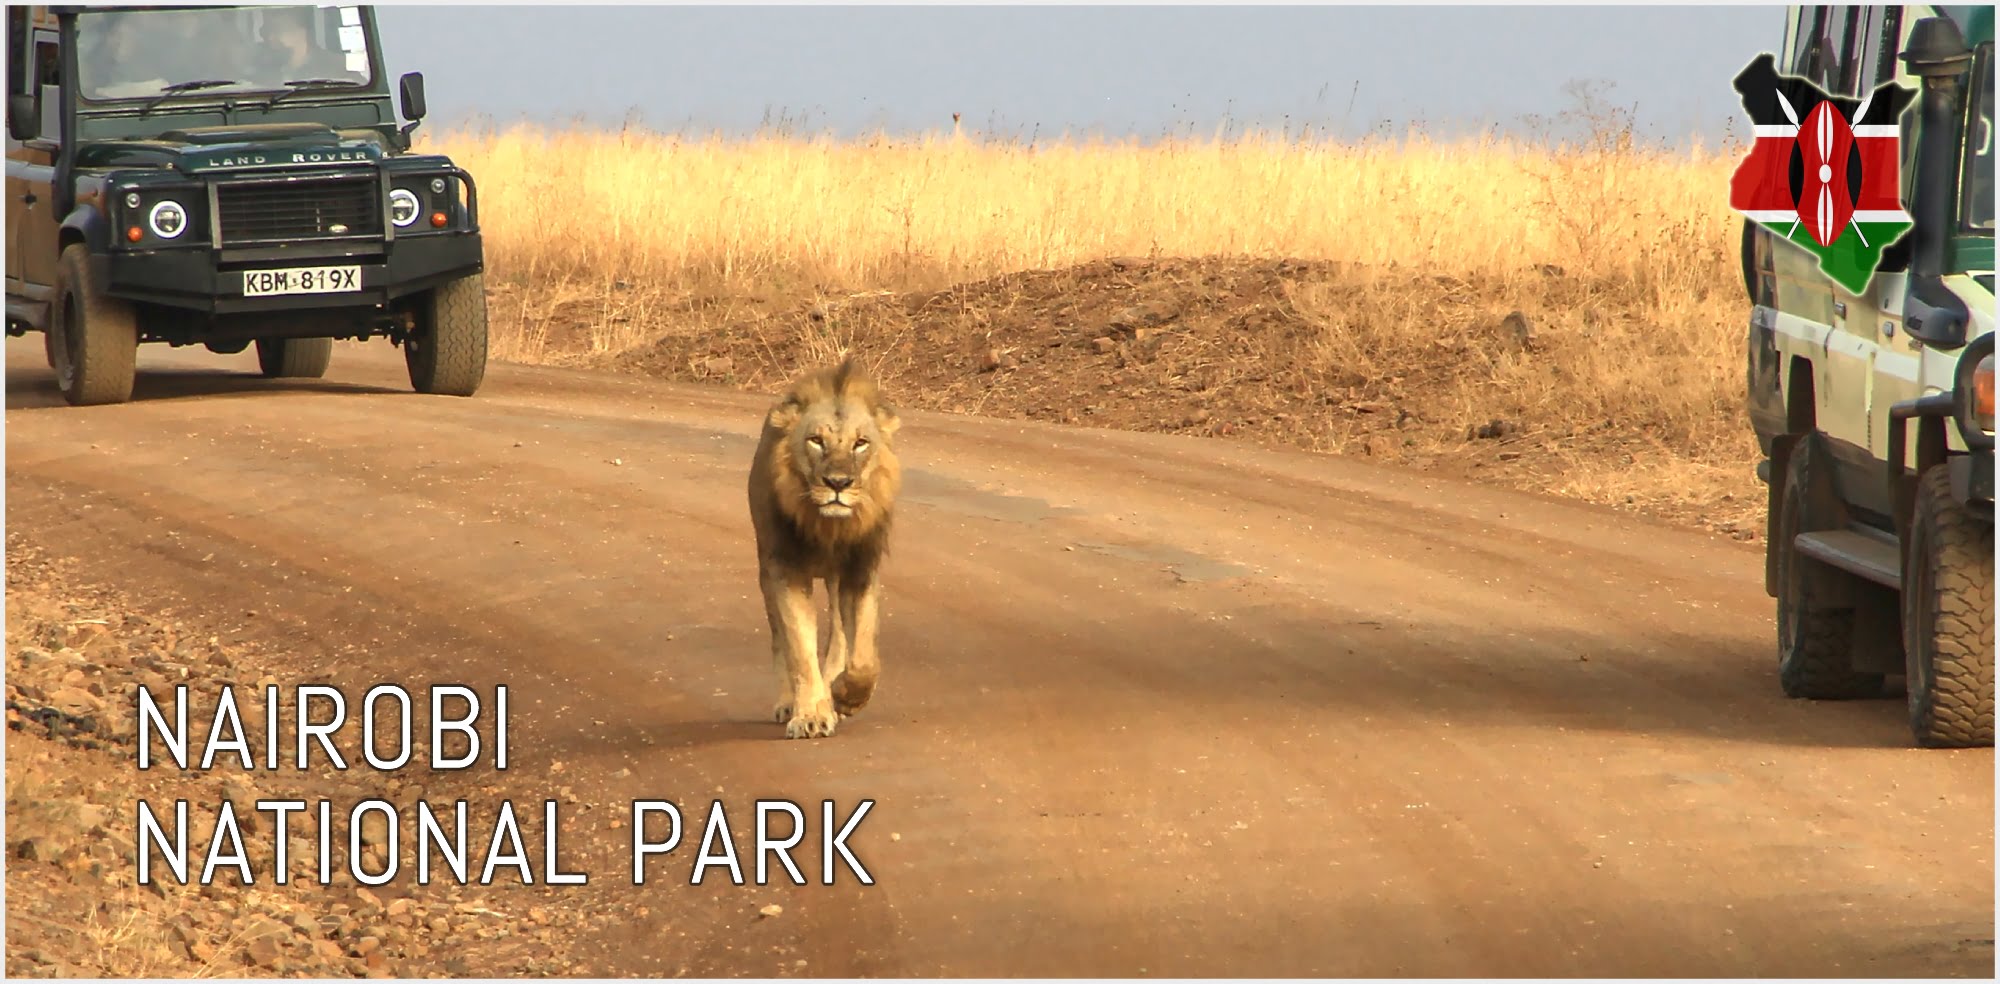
(1875, 410)
(229, 176)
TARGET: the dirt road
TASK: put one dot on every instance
(1150, 706)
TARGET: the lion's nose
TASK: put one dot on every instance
(838, 484)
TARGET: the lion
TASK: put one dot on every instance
(823, 489)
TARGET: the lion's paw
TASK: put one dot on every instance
(816, 722)
(850, 697)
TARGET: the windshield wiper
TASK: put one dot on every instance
(301, 85)
(177, 88)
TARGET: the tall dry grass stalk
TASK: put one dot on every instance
(768, 214)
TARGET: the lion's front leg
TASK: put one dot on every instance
(805, 706)
(859, 604)
(781, 707)
(837, 640)
(781, 646)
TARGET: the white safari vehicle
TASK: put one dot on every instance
(1875, 411)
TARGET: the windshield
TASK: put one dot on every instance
(136, 54)
(1977, 181)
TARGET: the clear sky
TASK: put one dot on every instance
(1119, 70)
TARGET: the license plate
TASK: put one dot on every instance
(301, 280)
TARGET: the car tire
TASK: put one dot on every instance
(93, 342)
(1815, 633)
(1948, 619)
(447, 354)
(294, 358)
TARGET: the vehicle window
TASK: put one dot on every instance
(1844, 69)
(1823, 47)
(1976, 181)
(137, 54)
(17, 51)
(48, 76)
(48, 68)
(1880, 27)
(1961, 13)
(1806, 42)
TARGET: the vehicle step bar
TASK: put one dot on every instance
(1864, 553)
(35, 314)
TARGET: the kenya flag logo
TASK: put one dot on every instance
(1824, 172)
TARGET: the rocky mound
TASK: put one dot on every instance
(1543, 382)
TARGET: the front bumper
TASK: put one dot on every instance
(212, 282)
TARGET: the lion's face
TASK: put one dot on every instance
(839, 448)
(829, 456)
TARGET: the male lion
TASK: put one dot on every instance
(822, 492)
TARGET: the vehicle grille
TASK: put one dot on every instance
(304, 209)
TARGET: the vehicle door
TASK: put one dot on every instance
(1845, 322)
(1897, 372)
(1803, 296)
(20, 82)
(33, 228)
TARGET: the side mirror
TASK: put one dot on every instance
(413, 96)
(23, 123)
(1933, 315)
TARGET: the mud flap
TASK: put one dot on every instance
(1773, 471)
(1878, 629)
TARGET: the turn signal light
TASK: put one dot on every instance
(1982, 393)
(134, 235)
(438, 219)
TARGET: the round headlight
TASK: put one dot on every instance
(131, 199)
(437, 186)
(168, 219)
(403, 207)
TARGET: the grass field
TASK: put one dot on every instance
(1622, 260)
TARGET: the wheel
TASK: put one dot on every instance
(1815, 632)
(93, 340)
(1948, 619)
(447, 354)
(294, 358)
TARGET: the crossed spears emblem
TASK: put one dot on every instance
(1830, 135)
(1827, 168)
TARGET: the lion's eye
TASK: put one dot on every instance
(860, 444)
(816, 442)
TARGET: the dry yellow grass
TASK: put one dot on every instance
(1623, 256)
(776, 213)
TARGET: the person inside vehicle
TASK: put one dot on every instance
(124, 61)
(291, 54)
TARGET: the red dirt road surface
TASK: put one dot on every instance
(1151, 705)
